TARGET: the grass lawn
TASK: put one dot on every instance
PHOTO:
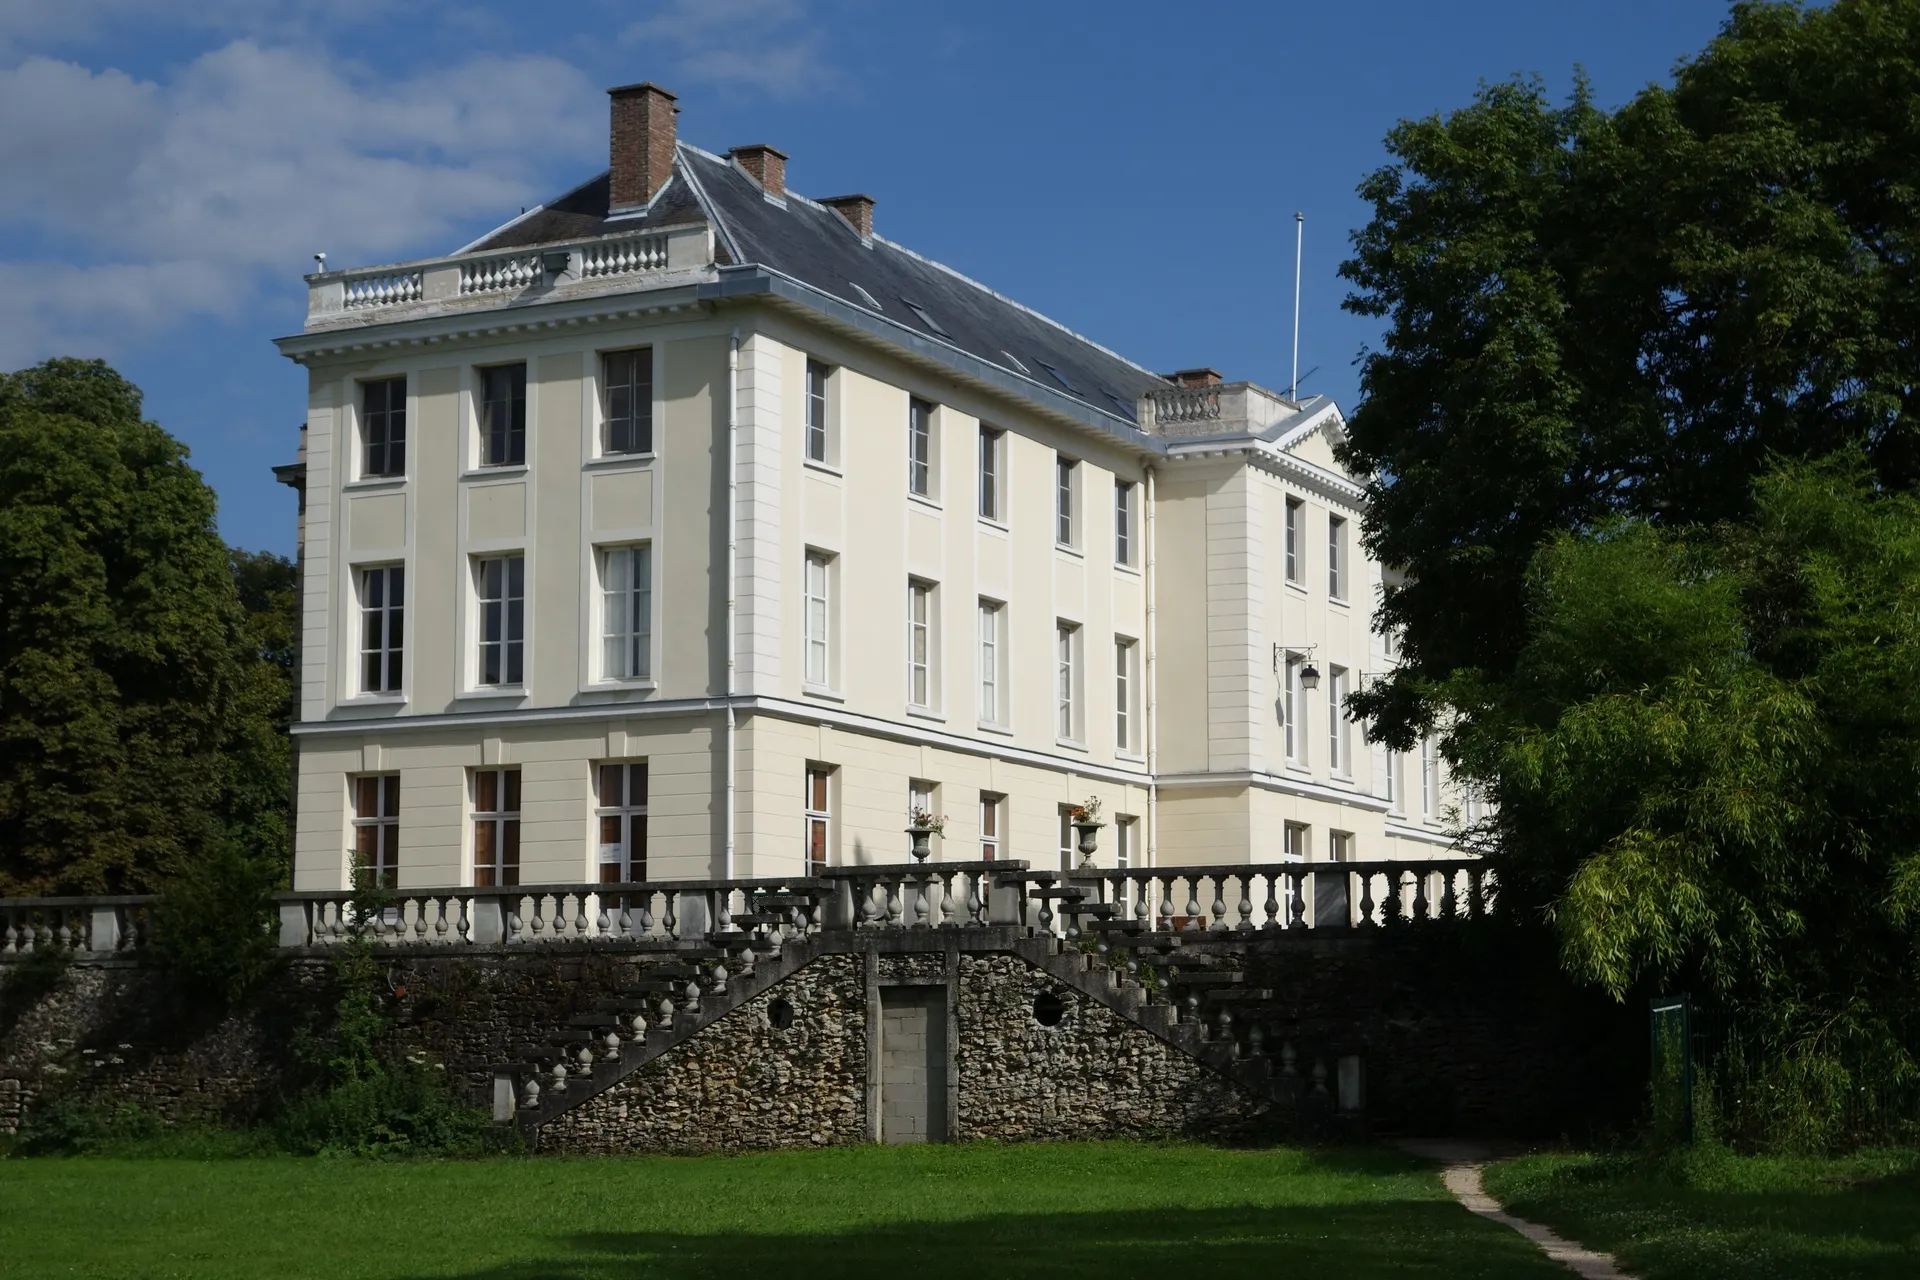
(975, 1211)
(1710, 1215)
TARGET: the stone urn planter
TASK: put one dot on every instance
(922, 847)
(1089, 841)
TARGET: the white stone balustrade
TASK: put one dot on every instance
(1225, 408)
(93, 926)
(382, 289)
(1293, 895)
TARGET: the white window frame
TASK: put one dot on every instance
(380, 829)
(817, 803)
(1126, 699)
(1392, 796)
(1069, 839)
(387, 653)
(991, 662)
(504, 821)
(923, 638)
(922, 449)
(819, 656)
(1126, 838)
(1068, 665)
(1339, 846)
(923, 794)
(1295, 519)
(625, 615)
(1296, 842)
(509, 644)
(993, 821)
(819, 438)
(1429, 779)
(1336, 557)
(1125, 536)
(480, 459)
(992, 469)
(648, 428)
(629, 848)
(1339, 756)
(1293, 711)
(363, 429)
(1066, 502)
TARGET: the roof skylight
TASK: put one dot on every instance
(925, 319)
(871, 300)
(1058, 376)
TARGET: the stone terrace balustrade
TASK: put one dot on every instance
(1225, 408)
(92, 926)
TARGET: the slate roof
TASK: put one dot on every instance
(817, 247)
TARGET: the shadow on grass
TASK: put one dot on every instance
(1662, 1229)
(1408, 1238)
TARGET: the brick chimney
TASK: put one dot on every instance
(857, 210)
(765, 165)
(1194, 378)
(640, 143)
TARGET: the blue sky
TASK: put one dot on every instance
(167, 170)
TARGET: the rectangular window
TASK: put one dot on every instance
(817, 411)
(496, 827)
(819, 817)
(993, 443)
(919, 643)
(1069, 839)
(817, 620)
(1337, 759)
(990, 805)
(992, 616)
(1296, 518)
(919, 447)
(376, 827)
(1296, 842)
(1125, 681)
(1126, 832)
(1066, 680)
(383, 594)
(1339, 846)
(1390, 788)
(1065, 481)
(502, 583)
(627, 386)
(626, 612)
(383, 427)
(1336, 558)
(1429, 779)
(1293, 710)
(919, 801)
(503, 416)
(1123, 522)
(621, 816)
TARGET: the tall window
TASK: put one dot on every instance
(503, 622)
(383, 427)
(1123, 522)
(1336, 557)
(919, 798)
(992, 615)
(503, 415)
(990, 805)
(383, 594)
(1066, 680)
(1126, 833)
(1069, 839)
(622, 818)
(817, 411)
(1429, 779)
(1293, 709)
(1339, 846)
(1125, 681)
(818, 619)
(1391, 787)
(1065, 478)
(1296, 843)
(993, 443)
(919, 447)
(1296, 520)
(626, 612)
(819, 818)
(919, 643)
(1337, 759)
(496, 827)
(627, 377)
(376, 827)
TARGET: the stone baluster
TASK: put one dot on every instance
(723, 910)
(976, 905)
(1366, 899)
(921, 890)
(1046, 913)
(646, 913)
(1319, 1077)
(1289, 1061)
(1193, 1004)
(579, 915)
(516, 924)
(1246, 902)
(1193, 903)
(530, 1094)
(610, 1046)
(864, 893)
(1142, 902)
(1256, 1040)
(1420, 895)
(1448, 902)
(671, 920)
(1166, 904)
(538, 922)
(1226, 1031)
(1219, 909)
(560, 1076)
(1296, 898)
(1271, 919)
(894, 905)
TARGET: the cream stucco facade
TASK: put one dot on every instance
(752, 544)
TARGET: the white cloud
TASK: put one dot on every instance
(762, 45)
(157, 201)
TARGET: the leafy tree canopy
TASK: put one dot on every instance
(142, 708)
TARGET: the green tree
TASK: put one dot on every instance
(142, 707)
